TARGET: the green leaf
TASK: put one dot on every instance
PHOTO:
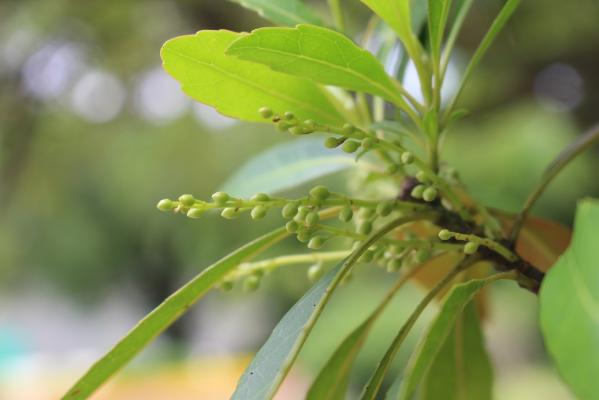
(438, 10)
(433, 341)
(569, 306)
(237, 88)
(461, 10)
(462, 369)
(282, 12)
(319, 54)
(397, 14)
(498, 24)
(165, 314)
(285, 166)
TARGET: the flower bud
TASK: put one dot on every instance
(391, 169)
(220, 198)
(303, 235)
(320, 193)
(187, 200)
(226, 286)
(251, 283)
(421, 255)
(265, 112)
(316, 242)
(429, 194)
(312, 218)
(230, 213)
(407, 158)
(296, 130)
(195, 212)
(384, 208)
(260, 197)
(289, 210)
(315, 272)
(445, 234)
(346, 214)
(282, 126)
(418, 191)
(394, 265)
(165, 205)
(289, 116)
(348, 129)
(471, 248)
(292, 226)
(422, 177)
(365, 228)
(350, 146)
(258, 212)
(367, 143)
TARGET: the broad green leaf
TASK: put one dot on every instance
(430, 345)
(165, 314)
(285, 166)
(438, 10)
(238, 88)
(319, 54)
(496, 27)
(282, 12)
(462, 369)
(269, 367)
(569, 306)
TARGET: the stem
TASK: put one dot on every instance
(488, 243)
(375, 382)
(583, 143)
(337, 12)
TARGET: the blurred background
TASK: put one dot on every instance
(93, 133)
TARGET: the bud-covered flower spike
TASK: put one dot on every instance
(187, 200)
(220, 198)
(429, 194)
(265, 112)
(166, 205)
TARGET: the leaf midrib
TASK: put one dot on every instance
(251, 84)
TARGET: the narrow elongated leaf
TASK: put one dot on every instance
(397, 14)
(165, 314)
(285, 166)
(282, 12)
(430, 345)
(438, 10)
(569, 306)
(462, 369)
(237, 88)
(461, 10)
(319, 54)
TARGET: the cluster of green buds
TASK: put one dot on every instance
(425, 190)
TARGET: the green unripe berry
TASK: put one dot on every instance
(407, 158)
(288, 115)
(226, 286)
(365, 228)
(258, 212)
(289, 210)
(195, 213)
(315, 272)
(331, 142)
(418, 191)
(312, 218)
(187, 200)
(304, 235)
(291, 226)
(394, 264)
(296, 130)
(165, 205)
(350, 146)
(251, 283)
(220, 198)
(391, 169)
(265, 112)
(320, 193)
(384, 208)
(471, 248)
(445, 234)
(346, 214)
(230, 213)
(422, 177)
(367, 143)
(260, 197)
(316, 242)
(430, 194)
(348, 129)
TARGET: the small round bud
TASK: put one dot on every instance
(258, 212)
(421, 255)
(422, 177)
(195, 213)
(251, 283)
(282, 126)
(418, 191)
(320, 193)
(187, 200)
(165, 205)
(289, 116)
(304, 235)
(315, 272)
(260, 197)
(331, 142)
(289, 210)
(391, 169)
(310, 124)
(445, 234)
(367, 143)
(296, 130)
(407, 158)
(350, 146)
(348, 129)
(429, 194)
(312, 218)
(471, 248)
(229, 213)
(226, 286)
(346, 214)
(292, 226)
(394, 265)
(265, 112)
(220, 198)
(365, 228)
(316, 242)
(384, 208)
